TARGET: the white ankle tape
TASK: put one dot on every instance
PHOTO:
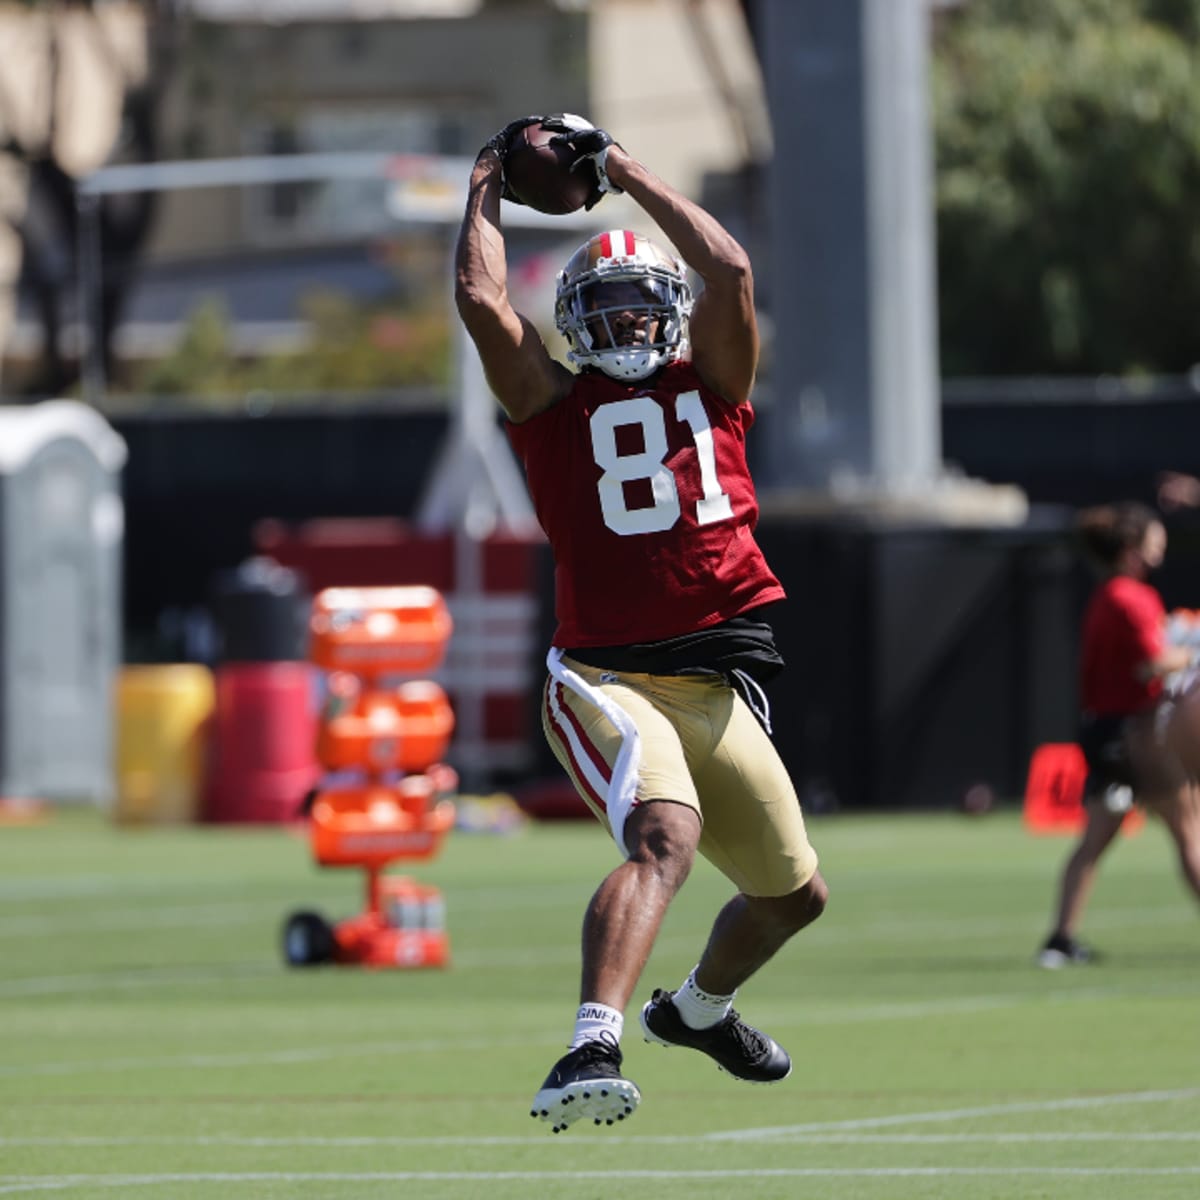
(592, 1020)
(698, 1008)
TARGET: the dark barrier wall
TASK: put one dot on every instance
(1074, 441)
(195, 485)
(1077, 442)
(922, 660)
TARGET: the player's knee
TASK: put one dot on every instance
(664, 836)
(806, 903)
(815, 897)
(791, 913)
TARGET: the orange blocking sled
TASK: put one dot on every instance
(1054, 791)
(394, 802)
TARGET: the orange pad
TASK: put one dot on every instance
(373, 825)
(407, 729)
(1054, 791)
(379, 631)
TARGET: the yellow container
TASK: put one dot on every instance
(163, 720)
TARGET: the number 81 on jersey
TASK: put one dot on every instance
(650, 464)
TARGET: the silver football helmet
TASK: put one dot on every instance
(623, 305)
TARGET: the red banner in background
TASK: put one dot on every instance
(491, 588)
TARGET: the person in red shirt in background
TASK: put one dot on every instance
(1126, 712)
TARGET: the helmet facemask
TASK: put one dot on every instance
(627, 314)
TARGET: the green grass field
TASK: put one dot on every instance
(152, 1043)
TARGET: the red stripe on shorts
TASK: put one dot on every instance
(587, 744)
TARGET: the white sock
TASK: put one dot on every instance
(597, 1023)
(698, 1008)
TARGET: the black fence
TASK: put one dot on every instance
(924, 661)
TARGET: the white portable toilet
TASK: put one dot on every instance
(61, 534)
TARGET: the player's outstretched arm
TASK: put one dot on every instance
(517, 364)
(724, 329)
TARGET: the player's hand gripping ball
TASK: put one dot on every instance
(554, 164)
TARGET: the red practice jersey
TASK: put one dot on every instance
(1123, 628)
(643, 490)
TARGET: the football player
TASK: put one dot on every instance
(654, 702)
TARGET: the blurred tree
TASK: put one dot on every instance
(1068, 176)
(349, 348)
(83, 65)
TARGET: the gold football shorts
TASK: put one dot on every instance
(625, 739)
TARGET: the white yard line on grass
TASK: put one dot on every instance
(961, 1114)
(11, 1185)
(950, 928)
(205, 913)
(398, 1142)
(176, 974)
(88, 983)
(147, 917)
(298, 1054)
(848, 1014)
(58, 888)
(813, 1131)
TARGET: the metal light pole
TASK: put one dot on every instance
(854, 367)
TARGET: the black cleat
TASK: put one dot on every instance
(1063, 951)
(587, 1082)
(734, 1046)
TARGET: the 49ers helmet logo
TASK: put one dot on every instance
(623, 304)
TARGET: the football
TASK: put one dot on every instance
(540, 174)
